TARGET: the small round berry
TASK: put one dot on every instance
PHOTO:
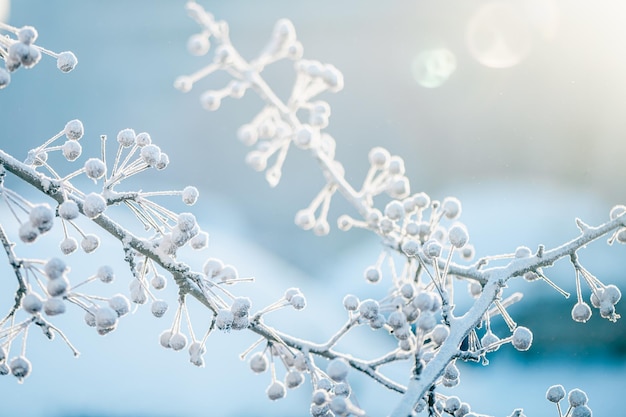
(198, 44)
(66, 61)
(159, 308)
(27, 35)
(150, 154)
(258, 362)
(94, 205)
(337, 369)
(54, 306)
(351, 302)
(426, 321)
(379, 157)
(42, 217)
(294, 379)
(396, 319)
(106, 317)
(212, 267)
(228, 273)
(458, 235)
(440, 333)
(432, 249)
(94, 168)
(522, 338)
(164, 339)
(276, 391)
(32, 303)
(373, 274)
(422, 200)
(577, 397)
(298, 301)
(120, 304)
(555, 393)
(90, 243)
(490, 341)
(320, 397)
(451, 371)
(55, 268)
(611, 294)
(158, 282)
(126, 137)
(378, 322)
(68, 210)
(581, 312)
(71, 150)
(210, 100)
(424, 301)
(452, 404)
(607, 310)
(394, 210)
(410, 247)
(28, 232)
(20, 367)
(369, 309)
(74, 130)
(190, 195)
(57, 287)
(178, 341)
(581, 411)
(105, 274)
(451, 206)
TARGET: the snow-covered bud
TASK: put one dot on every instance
(151, 155)
(20, 367)
(379, 157)
(68, 210)
(199, 241)
(27, 35)
(258, 362)
(71, 150)
(198, 44)
(106, 319)
(190, 195)
(186, 221)
(458, 235)
(120, 304)
(28, 232)
(577, 397)
(276, 391)
(95, 168)
(57, 287)
(581, 312)
(90, 243)
(178, 341)
(126, 137)
(440, 333)
(337, 369)
(212, 267)
(451, 207)
(394, 210)
(522, 338)
(66, 61)
(351, 302)
(158, 282)
(94, 205)
(159, 308)
(369, 309)
(555, 393)
(41, 216)
(432, 249)
(5, 78)
(55, 268)
(294, 379)
(410, 247)
(32, 303)
(164, 339)
(373, 274)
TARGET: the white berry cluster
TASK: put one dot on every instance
(18, 49)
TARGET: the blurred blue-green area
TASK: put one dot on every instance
(515, 107)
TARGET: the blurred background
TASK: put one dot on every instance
(515, 107)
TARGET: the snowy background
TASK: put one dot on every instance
(515, 107)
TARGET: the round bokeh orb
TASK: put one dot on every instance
(499, 35)
(431, 68)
